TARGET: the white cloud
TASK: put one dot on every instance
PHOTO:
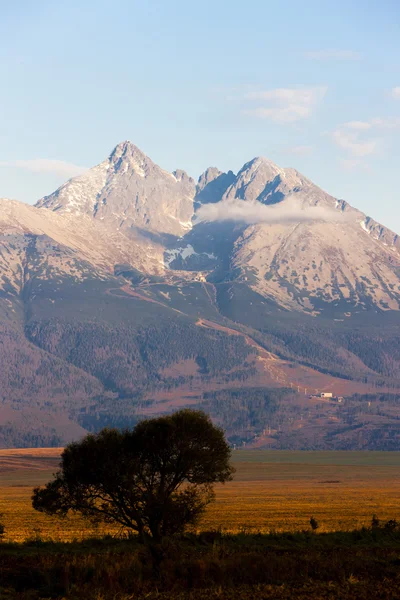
(388, 123)
(353, 164)
(332, 54)
(363, 138)
(396, 92)
(44, 165)
(300, 150)
(360, 125)
(291, 211)
(285, 105)
(350, 141)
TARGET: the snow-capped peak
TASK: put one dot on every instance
(128, 189)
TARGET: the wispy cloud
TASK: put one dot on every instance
(396, 92)
(284, 105)
(349, 140)
(44, 165)
(353, 164)
(292, 210)
(332, 54)
(300, 150)
(386, 123)
(364, 138)
(358, 125)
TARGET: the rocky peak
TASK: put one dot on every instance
(127, 156)
(126, 149)
(252, 178)
(129, 190)
(209, 175)
(267, 167)
(181, 175)
(212, 185)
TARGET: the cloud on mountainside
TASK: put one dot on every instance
(291, 211)
(332, 54)
(44, 165)
(396, 92)
(284, 105)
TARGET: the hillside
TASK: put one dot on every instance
(130, 291)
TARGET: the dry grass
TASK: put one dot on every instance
(271, 491)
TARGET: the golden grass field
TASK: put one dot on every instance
(272, 490)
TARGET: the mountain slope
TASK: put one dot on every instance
(75, 345)
(86, 240)
(131, 291)
(303, 248)
(319, 266)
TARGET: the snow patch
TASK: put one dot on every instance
(183, 224)
(188, 251)
(184, 253)
(137, 169)
(363, 226)
(186, 224)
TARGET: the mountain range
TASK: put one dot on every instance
(130, 291)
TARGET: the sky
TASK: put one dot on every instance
(310, 84)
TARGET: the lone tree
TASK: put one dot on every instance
(154, 479)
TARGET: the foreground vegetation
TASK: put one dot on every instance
(360, 564)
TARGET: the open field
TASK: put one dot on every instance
(271, 491)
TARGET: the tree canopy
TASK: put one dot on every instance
(154, 479)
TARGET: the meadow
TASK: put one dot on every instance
(272, 491)
(254, 542)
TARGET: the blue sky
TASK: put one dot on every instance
(309, 84)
